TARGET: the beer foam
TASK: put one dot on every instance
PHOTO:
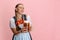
(26, 21)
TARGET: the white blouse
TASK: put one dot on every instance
(12, 22)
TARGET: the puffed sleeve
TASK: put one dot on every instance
(12, 23)
(29, 20)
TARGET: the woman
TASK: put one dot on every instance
(23, 33)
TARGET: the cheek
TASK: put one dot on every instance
(21, 9)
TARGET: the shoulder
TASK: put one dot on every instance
(28, 16)
(12, 19)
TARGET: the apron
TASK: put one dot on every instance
(26, 36)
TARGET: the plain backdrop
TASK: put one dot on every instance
(45, 16)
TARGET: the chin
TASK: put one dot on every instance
(21, 12)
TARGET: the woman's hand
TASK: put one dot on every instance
(24, 29)
(15, 31)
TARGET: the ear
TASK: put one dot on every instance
(16, 9)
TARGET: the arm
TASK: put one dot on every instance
(15, 31)
(13, 26)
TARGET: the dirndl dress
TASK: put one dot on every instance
(21, 36)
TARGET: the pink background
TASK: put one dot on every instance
(45, 15)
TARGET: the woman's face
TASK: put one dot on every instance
(20, 9)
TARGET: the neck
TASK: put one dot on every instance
(18, 15)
